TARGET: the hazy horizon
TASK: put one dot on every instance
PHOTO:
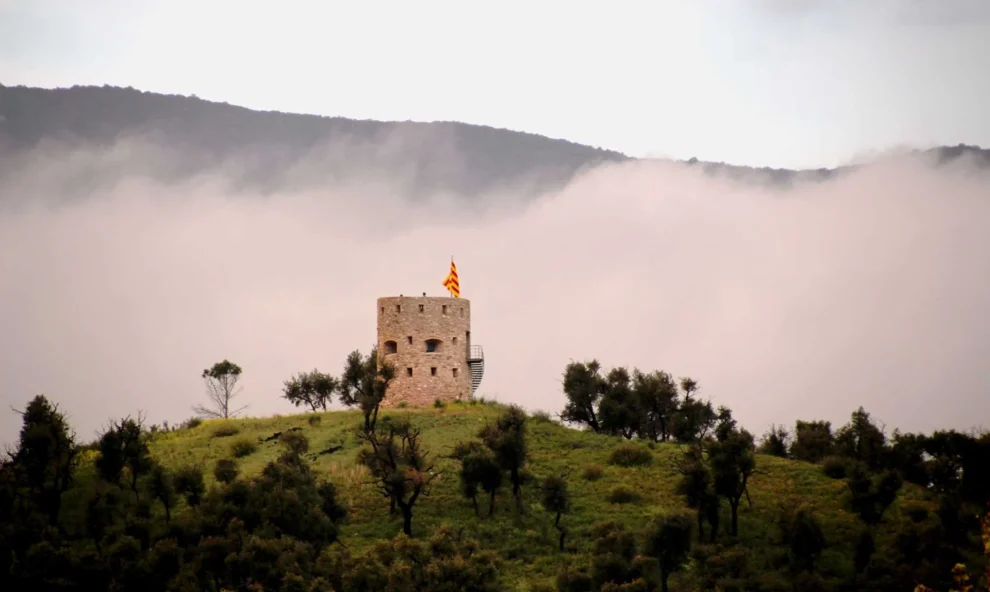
(784, 304)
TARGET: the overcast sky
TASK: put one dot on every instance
(797, 83)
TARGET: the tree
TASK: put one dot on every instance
(813, 441)
(668, 540)
(804, 537)
(46, 455)
(124, 455)
(479, 470)
(556, 500)
(162, 487)
(732, 461)
(697, 488)
(364, 384)
(583, 387)
(221, 387)
(310, 388)
(506, 438)
(398, 465)
(863, 441)
(775, 441)
(657, 398)
(694, 418)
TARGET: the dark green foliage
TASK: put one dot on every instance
(398, 464)
(870, 496)
(813, 441)
(162, 488)
(733, 461)
(668, 541)
(593, 472)
(221, 388)
(697, 487)
(775, 442)
(862, 441)
(628, 454)
(364, 383)
(243, 447)
(615, 563)
(836, 467)
(447, 562)
(480, 471)
(557, 501)
(506, 438)
(124, 455)
(314, 389)
(225, 471)
(313, 420)
(189, 483)
(620, 494)
(438, 404)
(803, 536)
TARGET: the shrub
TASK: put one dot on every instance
(243, 447)
(541, 416)
(225, 430)
(835, 467)
(439, 404)
(622, 495)
(403, 405)
(314, 420)
(593, 472)
(192, 422)
(225, 471)
(630, 455)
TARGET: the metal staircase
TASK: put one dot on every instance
(476, 362)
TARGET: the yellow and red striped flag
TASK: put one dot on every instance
(451, 283)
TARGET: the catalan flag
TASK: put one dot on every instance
(451, 283)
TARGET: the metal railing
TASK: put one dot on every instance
(476, 353)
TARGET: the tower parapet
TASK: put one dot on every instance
(428, 342)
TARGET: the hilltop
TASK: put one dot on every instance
(527, 544)
(267, 150)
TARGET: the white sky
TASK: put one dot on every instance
(797, 83)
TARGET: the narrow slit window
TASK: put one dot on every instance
(409, 339)
(421, 308)
(408, 371)
(433, 371)
(382, 310)
(398, 308)
(454, 340)
(455, 372)
(444, 309)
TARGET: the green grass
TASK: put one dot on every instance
(527, 543)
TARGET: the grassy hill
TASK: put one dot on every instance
(527, 544)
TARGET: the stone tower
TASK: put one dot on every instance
(428, 341)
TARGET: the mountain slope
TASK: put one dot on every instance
(442, 156)
(527, 545)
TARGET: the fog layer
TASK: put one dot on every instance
(870, 289)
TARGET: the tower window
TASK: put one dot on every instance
(454, 340)
(444, 311)
(462, 312)
(422, 308)
(398, 308)
(408, 371)
(382, 311)
(432, 345)
(391, 347)
(455, 372)
(433, 371)
(409, 339)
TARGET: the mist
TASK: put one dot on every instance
(116, 290)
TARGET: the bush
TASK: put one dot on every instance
(542, 417)
(243, 447)
(622, 495)
(630, 455)
(225, 470)
(314, 420)
(593, 472)
(439, 404)
(835, 467)
(192, 422)
(403, 404)
(225, 430)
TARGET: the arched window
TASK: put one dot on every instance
(391, 347)
(433, 345)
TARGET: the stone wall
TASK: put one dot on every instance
(405, 325)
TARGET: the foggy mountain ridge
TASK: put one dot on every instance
(144, 237)
(200, 136)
